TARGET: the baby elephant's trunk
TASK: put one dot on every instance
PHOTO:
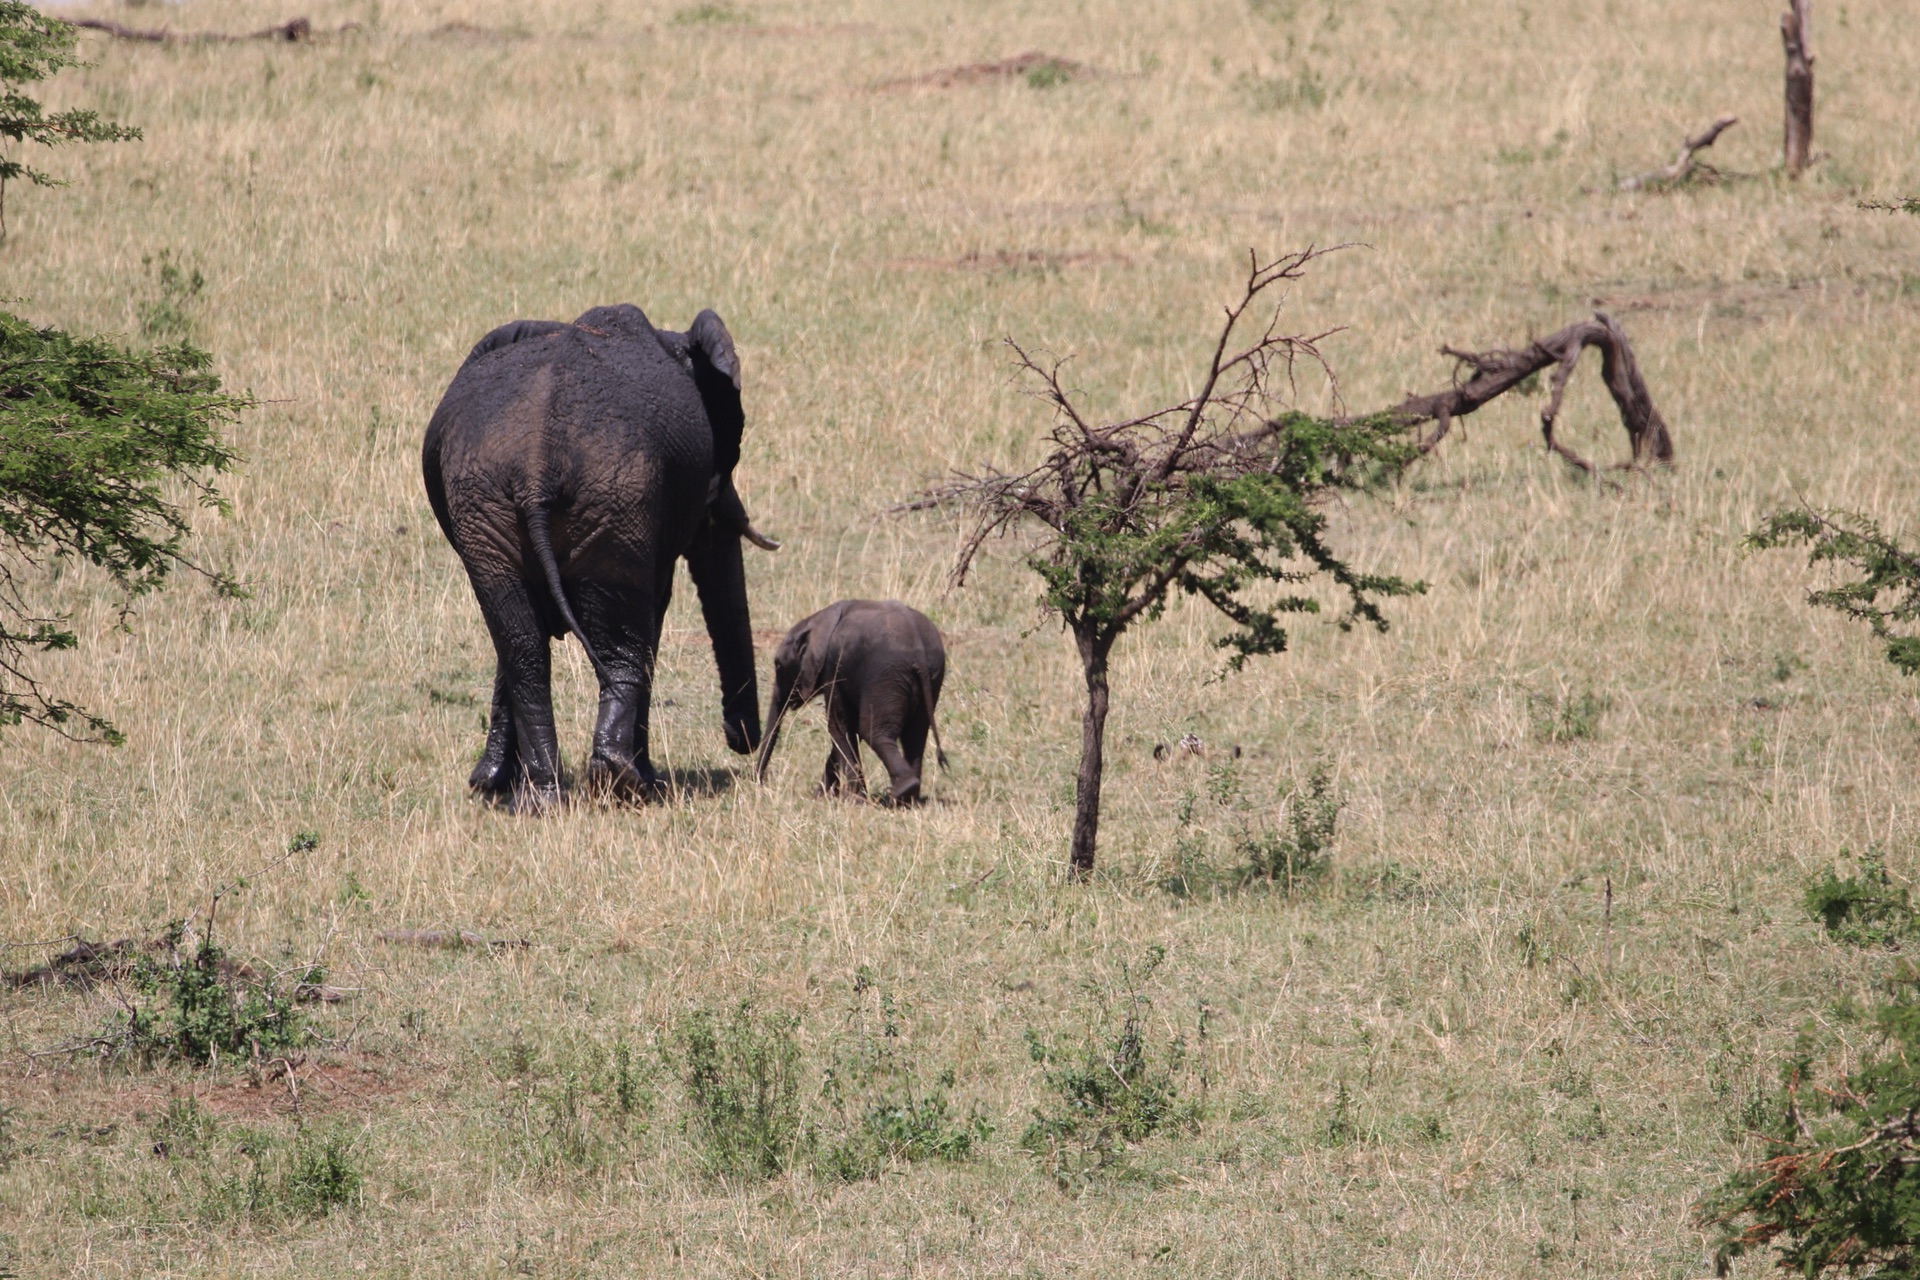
(776, 713)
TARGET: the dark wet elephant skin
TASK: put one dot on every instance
(570, 465)
(878, 665)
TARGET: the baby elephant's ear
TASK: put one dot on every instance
(716, 372)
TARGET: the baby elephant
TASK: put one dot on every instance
(879, 665)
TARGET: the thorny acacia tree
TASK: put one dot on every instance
(96, 442)
(33, 47)
(1220, 496)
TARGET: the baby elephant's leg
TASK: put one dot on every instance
(843, 772)
(901, 773)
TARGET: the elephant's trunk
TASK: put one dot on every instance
(719, 575)
(776, 716)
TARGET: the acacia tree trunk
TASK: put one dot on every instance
(1796, 35)
(1093, 731)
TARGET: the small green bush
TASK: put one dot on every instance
(1300, 856)
(195, 1005)
(321, 1174)
(741, 1074)
(1112, 1087)
(245, 1173)
(1837, 1188)
(1571, 718)
(1865, 910)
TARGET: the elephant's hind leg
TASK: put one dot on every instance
(520, 643)
(903, 774)
(499, 766)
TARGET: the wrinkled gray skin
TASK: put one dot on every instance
(570, 465)
(879, 666)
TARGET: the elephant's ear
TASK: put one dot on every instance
(716, 372)
(819, 650)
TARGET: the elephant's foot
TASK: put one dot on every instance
(905, 795)
(535, 800)
(626, 780)
(493, 778)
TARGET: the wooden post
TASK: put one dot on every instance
(1796, 34)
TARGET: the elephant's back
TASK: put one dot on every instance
(596, 421)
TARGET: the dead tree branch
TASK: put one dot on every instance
(1488, 374)
(1796, 35)
(1684, 165)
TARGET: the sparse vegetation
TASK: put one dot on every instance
(1458, 968)
(741, 1073)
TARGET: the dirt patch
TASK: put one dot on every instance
(1012, 260)
(71, 1100)
(1042, 70)
(469, 33)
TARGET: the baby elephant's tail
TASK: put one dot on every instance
(933, 723)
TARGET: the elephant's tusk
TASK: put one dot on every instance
(758, 538)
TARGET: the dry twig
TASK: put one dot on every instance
(1684, 165)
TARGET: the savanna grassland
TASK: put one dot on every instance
(1516, 1027)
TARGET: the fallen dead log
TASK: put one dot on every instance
(448, 938)
(1684, 165)
(1489, 374)
(292, 31)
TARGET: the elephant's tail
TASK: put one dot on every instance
(543, 548)
(933, 723)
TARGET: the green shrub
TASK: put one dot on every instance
(879, 1108)
(1112, 1086)
(1837, 1188)
(321, 1174)
(741, 1074)
(1867, 909)
(1300, 856)
(195, 1005)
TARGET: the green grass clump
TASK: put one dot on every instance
(879, 1107)
(1112, 1087)
(741, 1073)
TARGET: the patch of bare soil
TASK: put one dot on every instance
(1011, 260)
(1033, 65)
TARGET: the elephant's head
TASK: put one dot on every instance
(714, 557)
(801, 670)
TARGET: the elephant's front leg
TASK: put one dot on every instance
(499, 766)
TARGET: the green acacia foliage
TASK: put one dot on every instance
(1225, 537)
(1838, 1187)
(1885, 591)
(97, 444)
(33, 47)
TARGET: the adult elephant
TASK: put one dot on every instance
(570, 465)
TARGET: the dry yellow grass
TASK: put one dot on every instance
(365, 207)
